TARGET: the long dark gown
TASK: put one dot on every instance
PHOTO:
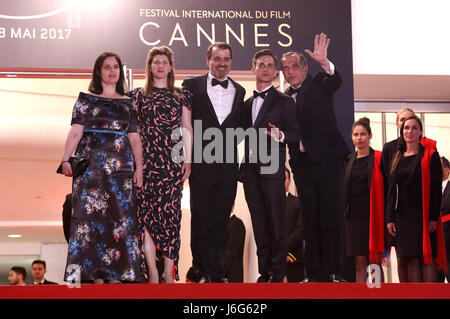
(160, 196)
(408, 215)
(358, 220)
(104, 239)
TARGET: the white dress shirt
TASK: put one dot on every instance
(40, 282)
(257, 104)
(444, 185)
(221, 98)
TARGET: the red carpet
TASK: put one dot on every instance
(230, 291)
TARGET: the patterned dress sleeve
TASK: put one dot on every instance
(80, 110)
(135, 95)
(133, 125)
(187, 98)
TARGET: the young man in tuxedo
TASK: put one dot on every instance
(38, 270)
(317, 159)
(270, 113)
(216, 106)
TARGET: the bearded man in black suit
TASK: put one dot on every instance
(216, 108)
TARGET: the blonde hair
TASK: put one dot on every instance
(404, 110)
(148, 88)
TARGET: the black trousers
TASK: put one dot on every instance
(212, 192)
(266, 200)
(318, 191)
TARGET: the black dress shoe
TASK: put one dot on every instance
(204, 280)
(276, 278)
(310, 279)
(194, 274)
(336, 278)
(263, 278)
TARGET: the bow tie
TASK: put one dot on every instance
(260, 94)
(292, 91)
(224, 83)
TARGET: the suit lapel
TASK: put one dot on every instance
(301, 95)
(446, 194)
(348, 170)
(264, 107)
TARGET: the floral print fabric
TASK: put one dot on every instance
(104, 235)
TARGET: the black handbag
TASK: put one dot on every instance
(78, 165)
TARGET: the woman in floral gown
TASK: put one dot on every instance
(161, 110)
(104, 239)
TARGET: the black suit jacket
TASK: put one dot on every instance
(445, 210)
(346, 181)
(315, 112)
(203, 110)
(445, 202)
(48, 282)
(279, 110)
(387, 156)
(294, 227)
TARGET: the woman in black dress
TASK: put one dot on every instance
(387, 155)
(162, 109)
(414, 203)
(104, 237)
(390, 148)
(364, 202)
